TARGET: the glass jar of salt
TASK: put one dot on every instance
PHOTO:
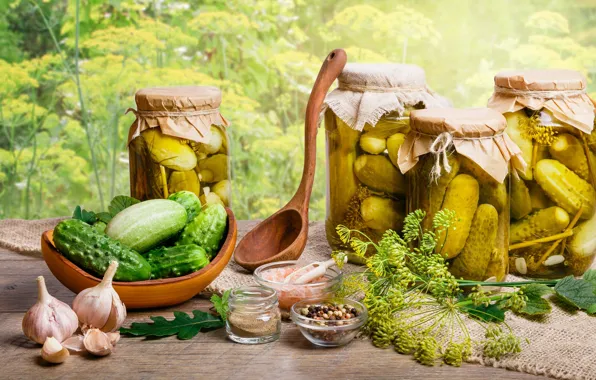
(253, 316)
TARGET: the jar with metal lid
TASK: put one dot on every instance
(457, 165)
(253, 315)
(553, 202)
(179, 142)
(366, 121)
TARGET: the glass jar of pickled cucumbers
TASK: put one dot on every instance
(459, 160)
(179, 142)
(553, 201)
(366, 121)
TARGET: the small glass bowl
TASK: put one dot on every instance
(329, 333)
(289, 294)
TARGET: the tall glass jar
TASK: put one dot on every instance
(553, 203)
(253, 315)
(458, 160)
(179, 142)
(366, 121)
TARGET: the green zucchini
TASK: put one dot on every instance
(93, 251)
(176, 261)
(146, 225)
(206, 230)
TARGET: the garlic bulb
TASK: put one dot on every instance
(49, 317)
(53, 352)
(98, 342)
(100, 307)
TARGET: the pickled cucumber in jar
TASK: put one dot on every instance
(554, 205)
(173, 147)
(366, 189)
(475, 197)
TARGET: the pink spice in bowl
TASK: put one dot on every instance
(273, 275)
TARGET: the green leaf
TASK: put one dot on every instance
(183, 325)
(88, 217)
(536, 305)
(104, 217)
(577, 292)
(490, 313)
(591, 309)
(221, 303)
(590, 276)
(120, 202)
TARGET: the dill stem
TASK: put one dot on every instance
(506, 284)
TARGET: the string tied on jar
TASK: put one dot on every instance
(440, 149)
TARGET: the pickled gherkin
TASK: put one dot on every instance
(174, 148)
(553, 205)
(366, 190)
(462, 188)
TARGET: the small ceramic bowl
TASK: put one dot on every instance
(329, 333)
(289, 294)
(149, 293)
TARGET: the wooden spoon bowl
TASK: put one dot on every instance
(283, 235)
(149, 293)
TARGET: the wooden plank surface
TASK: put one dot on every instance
(207, 356)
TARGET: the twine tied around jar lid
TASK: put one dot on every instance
(562, 92)
(186, 112)
(478, 133)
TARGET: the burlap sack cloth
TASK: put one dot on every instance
(561, 345)
(366, 92)
(562, 92)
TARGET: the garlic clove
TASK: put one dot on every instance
(97, 342)
(49, 317)
(74, 343)
(53, 352)
(100, 307)
(114, 337)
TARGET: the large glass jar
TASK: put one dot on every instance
(179, 142)
(553, 202)
(458, 160)
(366, 121)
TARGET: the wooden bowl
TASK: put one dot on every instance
(143, 294)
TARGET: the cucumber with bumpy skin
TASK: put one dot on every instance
(189, 201)
(462, 197)
(206, 230)
(521, 203)
(542, 223)
(176, 261)
(147, 224)
(474, 259)
(93, 251)
(565, 188)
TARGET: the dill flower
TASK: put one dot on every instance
(498, 344)
(427, 351)
(456, 353)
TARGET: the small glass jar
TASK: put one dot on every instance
(179, 142)
(458, 160)
(366, 121)
(550, 117)
(253, 316)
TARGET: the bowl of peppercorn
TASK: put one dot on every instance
(330, 323)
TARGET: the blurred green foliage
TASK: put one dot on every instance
(70, 68)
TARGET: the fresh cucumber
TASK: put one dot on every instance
(176, 261)
(206, 230)
(189, 201)
(146, 225)
(93, 251)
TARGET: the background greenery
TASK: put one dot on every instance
(69, 69)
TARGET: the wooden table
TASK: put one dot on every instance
(207, 356)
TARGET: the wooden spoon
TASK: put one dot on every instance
(283, 235)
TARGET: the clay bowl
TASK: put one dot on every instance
(149, 293)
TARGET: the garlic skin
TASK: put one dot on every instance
(97, 342)
(53, 352)
(100, 307)
(74, 343)
(49, 317)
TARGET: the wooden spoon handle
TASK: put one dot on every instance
(330, 70)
